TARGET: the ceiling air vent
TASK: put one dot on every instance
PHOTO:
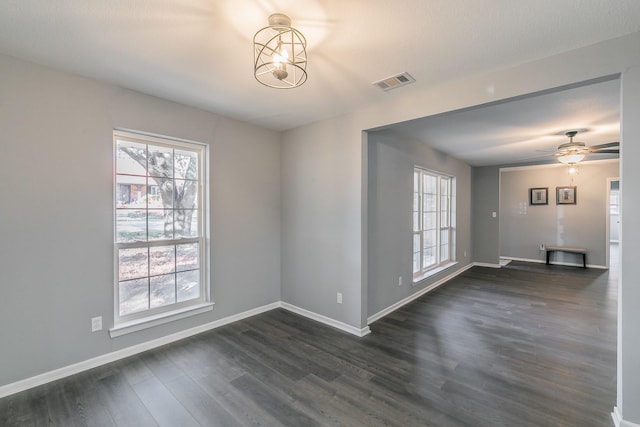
(394, 82)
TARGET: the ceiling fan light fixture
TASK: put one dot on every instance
(571, 158)
(280, 54)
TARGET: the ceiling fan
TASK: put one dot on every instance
(573, 152)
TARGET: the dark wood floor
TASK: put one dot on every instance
(525, 345)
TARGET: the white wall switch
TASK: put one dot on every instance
(96, 324)
(399, 280)
(494, 214)
(339, 298)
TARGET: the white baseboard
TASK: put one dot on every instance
(326, 320)
(76, 368)
(85, 365)
(618, 421)
(486, 264)
(407, 300)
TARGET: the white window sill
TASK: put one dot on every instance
(159, 319)
(433, 272)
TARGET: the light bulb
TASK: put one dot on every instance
(280, 59)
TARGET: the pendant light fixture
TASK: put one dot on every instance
(280, 54)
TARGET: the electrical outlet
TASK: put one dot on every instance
(542, 246)
(464, 254)
(494, 214)
(399, 280)
(96, 324)
(339, 298)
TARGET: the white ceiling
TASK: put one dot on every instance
(198, 52)
(525, 130)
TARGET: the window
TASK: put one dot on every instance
(159, 228)
(432, 229)
(614, 202)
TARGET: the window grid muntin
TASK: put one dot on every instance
(174, 145)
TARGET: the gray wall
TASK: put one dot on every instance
(524, 227)
(485, 201)
(56, 227)
(323, 233)
(337, 142)
(321, 220)
(390, 200)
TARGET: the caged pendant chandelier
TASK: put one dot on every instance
(280, 54)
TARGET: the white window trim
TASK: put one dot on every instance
(155, 317)
(433, 272)
(159, 319)
(450, 261)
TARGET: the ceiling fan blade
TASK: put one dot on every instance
(607, 145)
(537, 157)
(606, 152)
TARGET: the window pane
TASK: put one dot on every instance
(429, 221)
(416, 202)
(160, 163)
(444, 253)
(416, 221)
(428, 258)
(163, 290)
(427, 186)
(444, 237)
(160, 224)
(131, 225)
(186, 164)
(428, 238)
(131, 158)
(163, 192)
(188, 285)
(430, 203)
(134, 296)
(416, 243)
(162, 260)
(185, 194)
(160, 193)
(416, 262)
(131, 191)
(133, 263)
(187, 256)
(186, 223)
(444, 186)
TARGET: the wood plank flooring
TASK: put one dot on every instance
(525, 345)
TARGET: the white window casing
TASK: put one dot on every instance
(160, 233)
(432, 221)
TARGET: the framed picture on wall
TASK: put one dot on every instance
(565, 195)
(539, 196)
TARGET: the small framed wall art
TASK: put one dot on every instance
(539, 196)
(566, 195)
